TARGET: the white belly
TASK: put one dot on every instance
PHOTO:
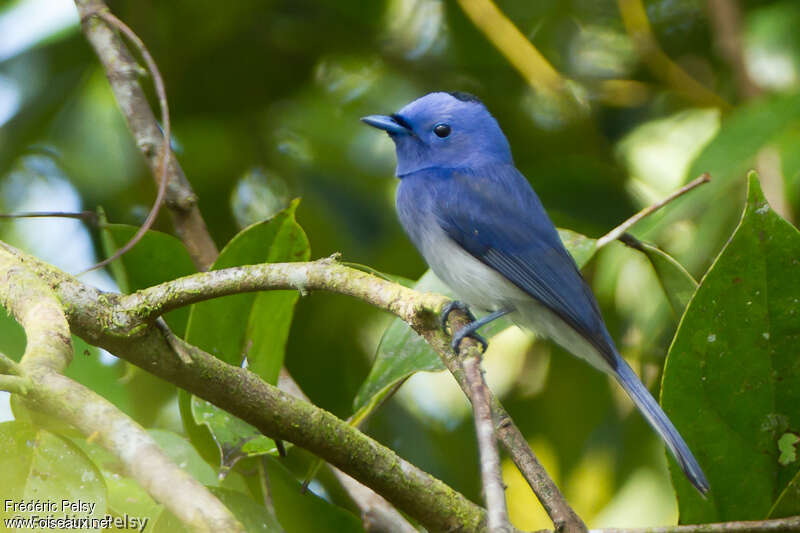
(471, 280)
(482, 287)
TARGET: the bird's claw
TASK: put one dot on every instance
(464, 332)
(452, 306)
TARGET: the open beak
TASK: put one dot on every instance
(385, 123)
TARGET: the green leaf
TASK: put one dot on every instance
(254, 517)
(199, 434)
(254, 326)
(402, 352)
(580, 247)
(300, 512)
(157, 258)
(234, 437)
(220, 327)
(182, 453)
(125, 495)
(678, 284)
(789, 501)
(731, 382)
(166, 522)
(38, 465)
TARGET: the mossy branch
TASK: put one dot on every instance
(47, 353)
(125, 326)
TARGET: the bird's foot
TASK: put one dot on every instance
(468, 331)
(452, 306)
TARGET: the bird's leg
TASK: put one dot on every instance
(470, 330)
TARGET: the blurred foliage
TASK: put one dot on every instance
(265, 100)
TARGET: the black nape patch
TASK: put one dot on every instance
(465, 97)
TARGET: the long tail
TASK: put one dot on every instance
(658, 419)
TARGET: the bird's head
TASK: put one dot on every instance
(444, 130)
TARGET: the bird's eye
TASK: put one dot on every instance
(442, 130)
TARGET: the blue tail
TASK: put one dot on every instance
(658, 419)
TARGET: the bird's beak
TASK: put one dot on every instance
(385, 123)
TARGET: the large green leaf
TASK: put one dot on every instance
(40, 466)
(788, 502)
(254, 517)
(235, 438)
(304, 512)
(252, 327)
(402, 352)
(732, 382)
(233, 327)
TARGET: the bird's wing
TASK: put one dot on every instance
(496, 217)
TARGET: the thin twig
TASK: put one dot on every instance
(161, 92)
(122, 72)
(493, 488)
(754, 526)
(90, 217)
(625, 226)
(565, 519)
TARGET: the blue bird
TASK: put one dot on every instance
(483, 231)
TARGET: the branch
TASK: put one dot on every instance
(93, 314)
(47, 353)
(15, 384)
(131, 311)
(517, 49)
(9, 366)
(649, 210)
(564, 518)
(375, 509)
(325, 274)
(165, 151)
(755, 526)
(377, 515)
(634, 17)
(414, 308)
(493, 488)
(122, 72)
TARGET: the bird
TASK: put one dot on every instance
(483, 231)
